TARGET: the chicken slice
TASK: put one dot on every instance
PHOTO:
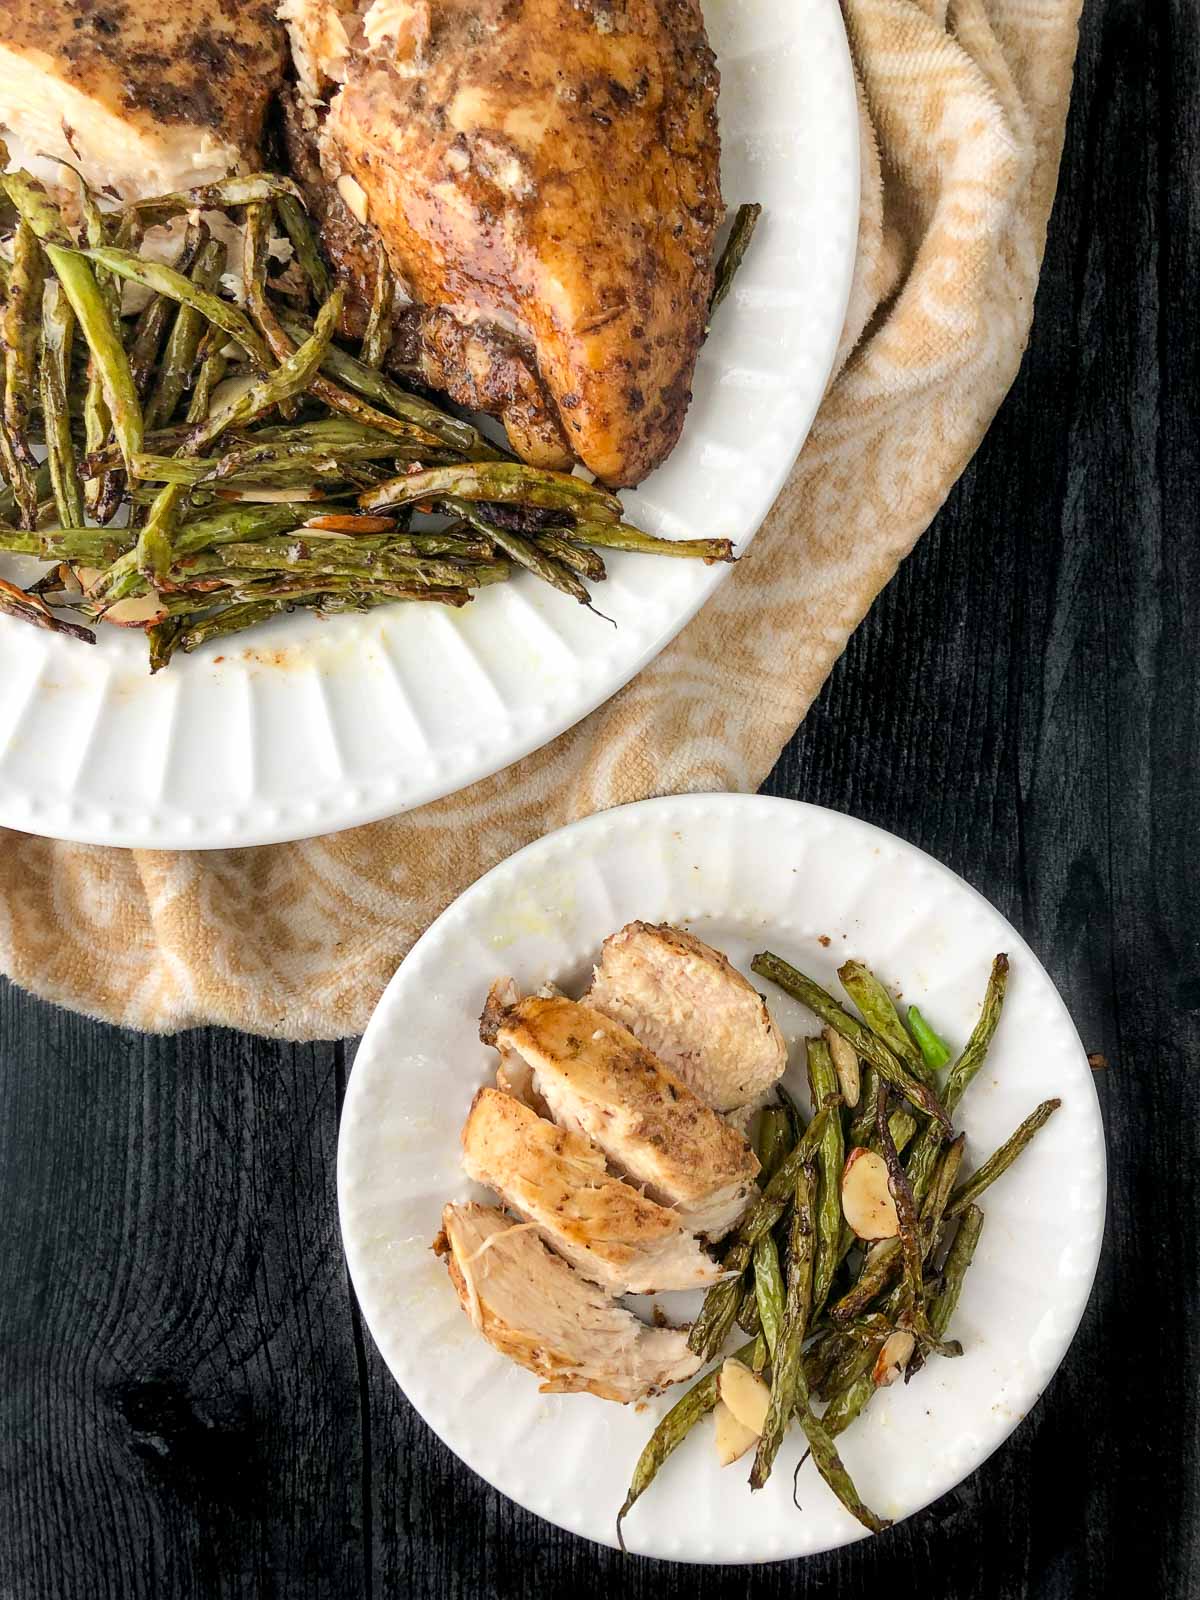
(142, 98)
(514, 1075)
(598, 1080)
(540, 1312)
(695, 1011)
(558, 1180)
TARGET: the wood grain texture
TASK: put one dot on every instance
(188, 1404)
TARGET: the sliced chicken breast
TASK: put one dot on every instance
(684, 1001)
(599, 1081)
(558, 1180)
(142, 98)
(538, 1311)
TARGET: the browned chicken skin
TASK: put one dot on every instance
(545, 173)
(480, 366)
(142, 97)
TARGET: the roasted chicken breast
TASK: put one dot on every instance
(558, 1180)
(142, 98)
(599, 1081)
(537, 1310)
(686, 1003)
(544, 177)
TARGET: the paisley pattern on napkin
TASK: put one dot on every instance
(963, 105)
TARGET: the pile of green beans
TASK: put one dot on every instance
(823, 1310)
(314, 465)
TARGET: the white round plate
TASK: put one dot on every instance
(310, 725)
(746, 873)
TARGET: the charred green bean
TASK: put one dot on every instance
(1000, 1160)
(822, 1083)
(674, 1428)
(745, 220)
(855, 1033)
(787, 1368)
(622, 536)
(377, 339)
(879, 1012)
(183, 343)
(58, 329)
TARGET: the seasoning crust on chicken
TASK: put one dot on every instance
(685, 1001)
(142, 98)
(544, 177)
(535, 1309)
(558, 1180)
(599, 1081)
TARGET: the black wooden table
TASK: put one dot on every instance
(189, 1404)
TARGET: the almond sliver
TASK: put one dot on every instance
(733, 1440)
(867, 1203)
(746, 1395)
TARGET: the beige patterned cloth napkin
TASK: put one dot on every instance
(963, 105)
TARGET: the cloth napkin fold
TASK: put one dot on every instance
(963, 105)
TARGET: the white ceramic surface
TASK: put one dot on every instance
(307, 726)
(746, 873)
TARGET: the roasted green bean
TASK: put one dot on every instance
(747, 1317)
(923, 1157)
(906, 1209)
(183, 343)
(856, 1033)
(1000, 1160)
(622, 536)
(853, 1352)
(745, 220)
(883, 1260)
(58, 329)
(769, 1290)
(823, 1082)
(958, 1259)
(163, 280)
(504, 482)
(291, 378)
(19, 329)
(14, 602)
(829, 1464)
(774, 1140)
(720, 1303)
(234, 191)
(299, 230)
(374, 386)
(90, 546)
(575, 557)
(787, 1375)
(969, 1062)
(520, 549)
(377, 339)
(156, 317)
(848, 1404)
(878, 1271)
(879, 1013)
(674, 1428)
